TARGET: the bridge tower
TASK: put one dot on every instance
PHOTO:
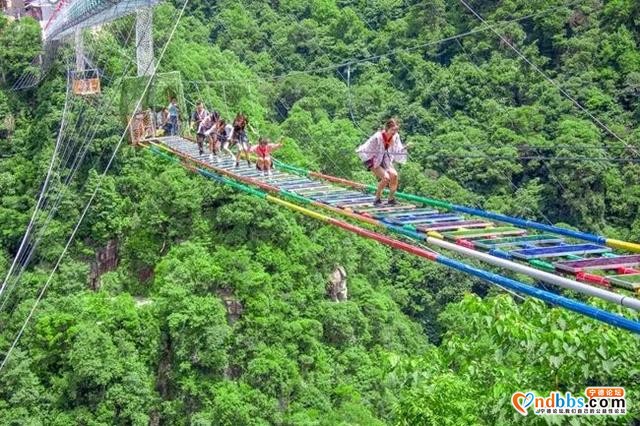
(79, 44)
(144, 42)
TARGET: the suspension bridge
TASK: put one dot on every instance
(582, 262)
(575, 260)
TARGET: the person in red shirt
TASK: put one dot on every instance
(263, 151)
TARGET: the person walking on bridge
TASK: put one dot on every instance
(239, 136)
(205, 128)
(222, 133)
(379, 153)
(198, 115)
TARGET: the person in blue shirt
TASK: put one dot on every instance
(174, 113)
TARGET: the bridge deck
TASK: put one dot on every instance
(509, 242)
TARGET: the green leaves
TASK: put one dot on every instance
(230, 323)
(91, 353)
(497, 344)
(21, 41)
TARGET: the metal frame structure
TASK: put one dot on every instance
(80, 14)
(144, 42)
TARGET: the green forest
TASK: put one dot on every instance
(217, 312)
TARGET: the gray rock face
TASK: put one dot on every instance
(232, 304)
(337, 286)
(106, 260)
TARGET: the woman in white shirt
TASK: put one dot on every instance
(379, 153)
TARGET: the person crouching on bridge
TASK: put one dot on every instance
(263, 150)
(379, 153)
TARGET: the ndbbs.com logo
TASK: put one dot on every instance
(604, 400)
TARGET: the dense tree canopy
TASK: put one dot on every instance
(153, 340)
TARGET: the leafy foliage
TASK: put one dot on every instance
(156, 340)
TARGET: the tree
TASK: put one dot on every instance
(21, 41)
